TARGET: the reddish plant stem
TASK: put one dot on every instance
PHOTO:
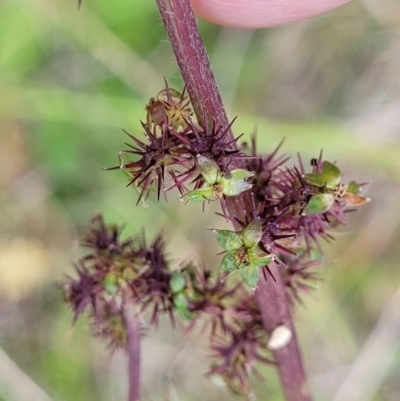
(192, 60)
(133, 341)
(275, 311)
(196, 71)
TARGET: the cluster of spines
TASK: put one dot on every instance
(291, 210)
(118, 271)
(113, 267)
(167, 159)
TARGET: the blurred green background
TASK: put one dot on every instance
(69, 81)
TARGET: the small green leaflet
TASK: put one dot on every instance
(199, 195)
(209, 169)
(228, 240)
(237, 183)
(244, 252)
(111, 283)
(217, 185)
(177, 282)
(353, 187)
(230, 262)
(258, 257)
(320, 203)
(253, 233)
(329, 177)
(250, 275)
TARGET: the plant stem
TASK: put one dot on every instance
(133, 339)
(196, 71)
(272, 298)
(192, 60)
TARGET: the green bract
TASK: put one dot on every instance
(320, 203)
(240, 174)
(209, 169)
(180, 302)
(329, 177)
(228, 240)
(182, 294)
(253, 233)
(217, 185)
(258, 257)
(111, 283)
(177, 282)
(199, 195)
(330, 188)
(230, 262)
(244, 253)
(353, 188)
(331, 169)
(250, 275)
(237, 183)
(235, 186)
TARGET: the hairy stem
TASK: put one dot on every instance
(133, 339)
(195, 67)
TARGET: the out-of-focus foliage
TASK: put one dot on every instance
(70, 80)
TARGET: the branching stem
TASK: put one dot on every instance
(195, 67)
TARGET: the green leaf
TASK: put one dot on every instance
(209, 169)
(253, 233)
(229, 262)
(319, 204)
(232, 186)
(250, 275)
(258, 257)
(353, 188)
(228, 240)
(199, 195)
(177, 282)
